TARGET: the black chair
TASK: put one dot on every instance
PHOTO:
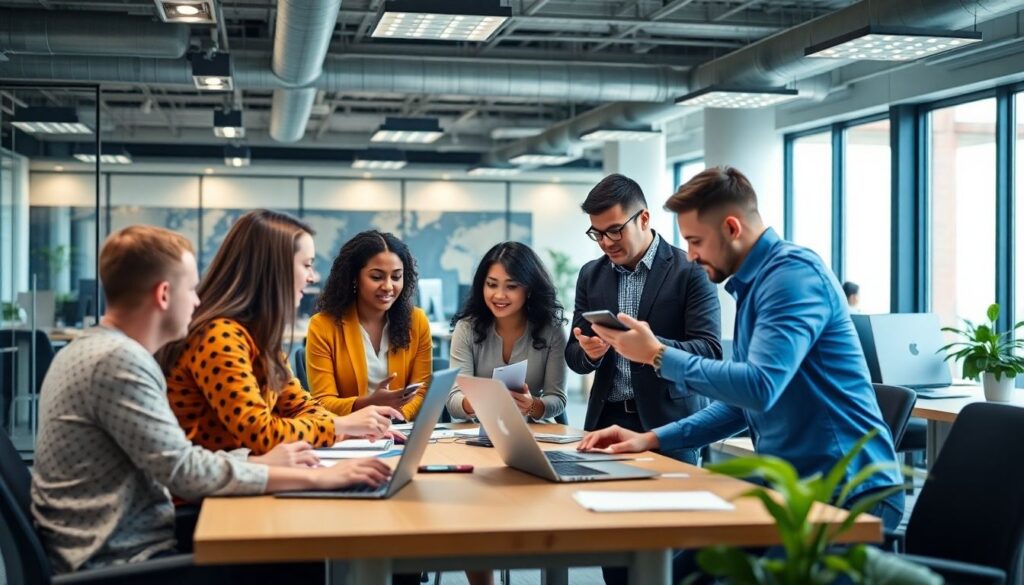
(896, 404)
(970, 512)
(299, 366)
(26, 562)
(25, 340)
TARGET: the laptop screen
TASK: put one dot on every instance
(904, 349)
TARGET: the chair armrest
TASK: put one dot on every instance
(177, 566)
(960, 572)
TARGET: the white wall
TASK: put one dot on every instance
(154, 191)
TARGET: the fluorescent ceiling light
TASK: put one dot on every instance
(737, 97)
(514, 132)
(212, 73)
(537, 159)
(380, 159)
(408, 130)
(618, 135)
(493, 171)
(228, 124)
(87, 153)
(237, 156)
(440, 20)
(200, 11)
(880, 43)
(46, 120)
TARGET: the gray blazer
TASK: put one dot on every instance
(545, 369)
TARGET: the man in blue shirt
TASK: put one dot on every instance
(797, 379)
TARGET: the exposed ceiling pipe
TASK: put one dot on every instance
(44, 32)
(583, 83)
(776, 60)
(301, 39)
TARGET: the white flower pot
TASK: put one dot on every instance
(1000, 390)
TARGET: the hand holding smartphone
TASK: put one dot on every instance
(411, 389)
(605, 319)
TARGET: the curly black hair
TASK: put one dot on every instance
(523, 266)
(340, 289)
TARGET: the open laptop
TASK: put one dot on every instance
(904, 349)
(437, 392)
(511, 436)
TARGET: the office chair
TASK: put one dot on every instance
(299, 365)
(968, 522)
(896, 404)
(26, 562)
(26, 341)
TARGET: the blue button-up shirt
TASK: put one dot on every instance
(797, 378)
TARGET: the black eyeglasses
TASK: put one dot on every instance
(614, 234)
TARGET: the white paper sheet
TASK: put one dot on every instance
(512, 375)
(650, 501)
(363, 445)
(330, 454)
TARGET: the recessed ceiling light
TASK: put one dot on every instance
(879, 43)
(380, 159)
(112, 156)
(737, 97)
(47, 120)
(228, 124)
(493, 171)
(191, 11)
(408, 130)
(212, 72)
(237, 156)
(542, 159)
(619, 135)
(450, 20)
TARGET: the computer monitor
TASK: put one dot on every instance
(432, 298)
(904, 349)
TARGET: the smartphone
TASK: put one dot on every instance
(411, 388)
(479, 442)
(605, 319)
(445, 469)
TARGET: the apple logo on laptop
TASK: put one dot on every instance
(914, 350)
(502, 427)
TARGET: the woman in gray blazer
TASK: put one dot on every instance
(512, 314)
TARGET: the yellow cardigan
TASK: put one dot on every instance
(336, 361)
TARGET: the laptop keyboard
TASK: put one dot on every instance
(570, 469)
(561, 456)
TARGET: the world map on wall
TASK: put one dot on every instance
(446, 245)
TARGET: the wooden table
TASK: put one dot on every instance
(494, 518)
(941, 412)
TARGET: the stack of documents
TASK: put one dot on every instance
(651, 501)
(355, 449)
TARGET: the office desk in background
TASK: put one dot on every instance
(494, 518)
(440, 332)
(940, 413)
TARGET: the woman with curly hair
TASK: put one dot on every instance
(512, 314)
(367, 342)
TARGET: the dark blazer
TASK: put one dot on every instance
(680, 304)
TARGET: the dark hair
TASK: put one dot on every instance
(340, 289)
(252, 280)
(712, 189)
(850, 288)
(611, 191)
(522, 264)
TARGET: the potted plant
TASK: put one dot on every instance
(988, 354)
(809, 554)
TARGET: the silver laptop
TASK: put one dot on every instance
(511, 436)
(904, 349)
(430, 411)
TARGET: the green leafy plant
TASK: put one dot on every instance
(809, 553)
(56, 259)
(11, 311)
(984, 349)
(563, 272)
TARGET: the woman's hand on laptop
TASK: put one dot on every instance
(295, 454)
(372, 422)
(349, 472)
(616, 439)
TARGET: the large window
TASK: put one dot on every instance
(867, 213)
(812, 193)
(1019, 207)
(962, 185)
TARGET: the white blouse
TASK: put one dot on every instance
(376, 362)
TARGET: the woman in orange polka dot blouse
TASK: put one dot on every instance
(229, 383)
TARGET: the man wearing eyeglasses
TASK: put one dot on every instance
(643, 276)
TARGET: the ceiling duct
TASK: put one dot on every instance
(301, 39)
(44, 32)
